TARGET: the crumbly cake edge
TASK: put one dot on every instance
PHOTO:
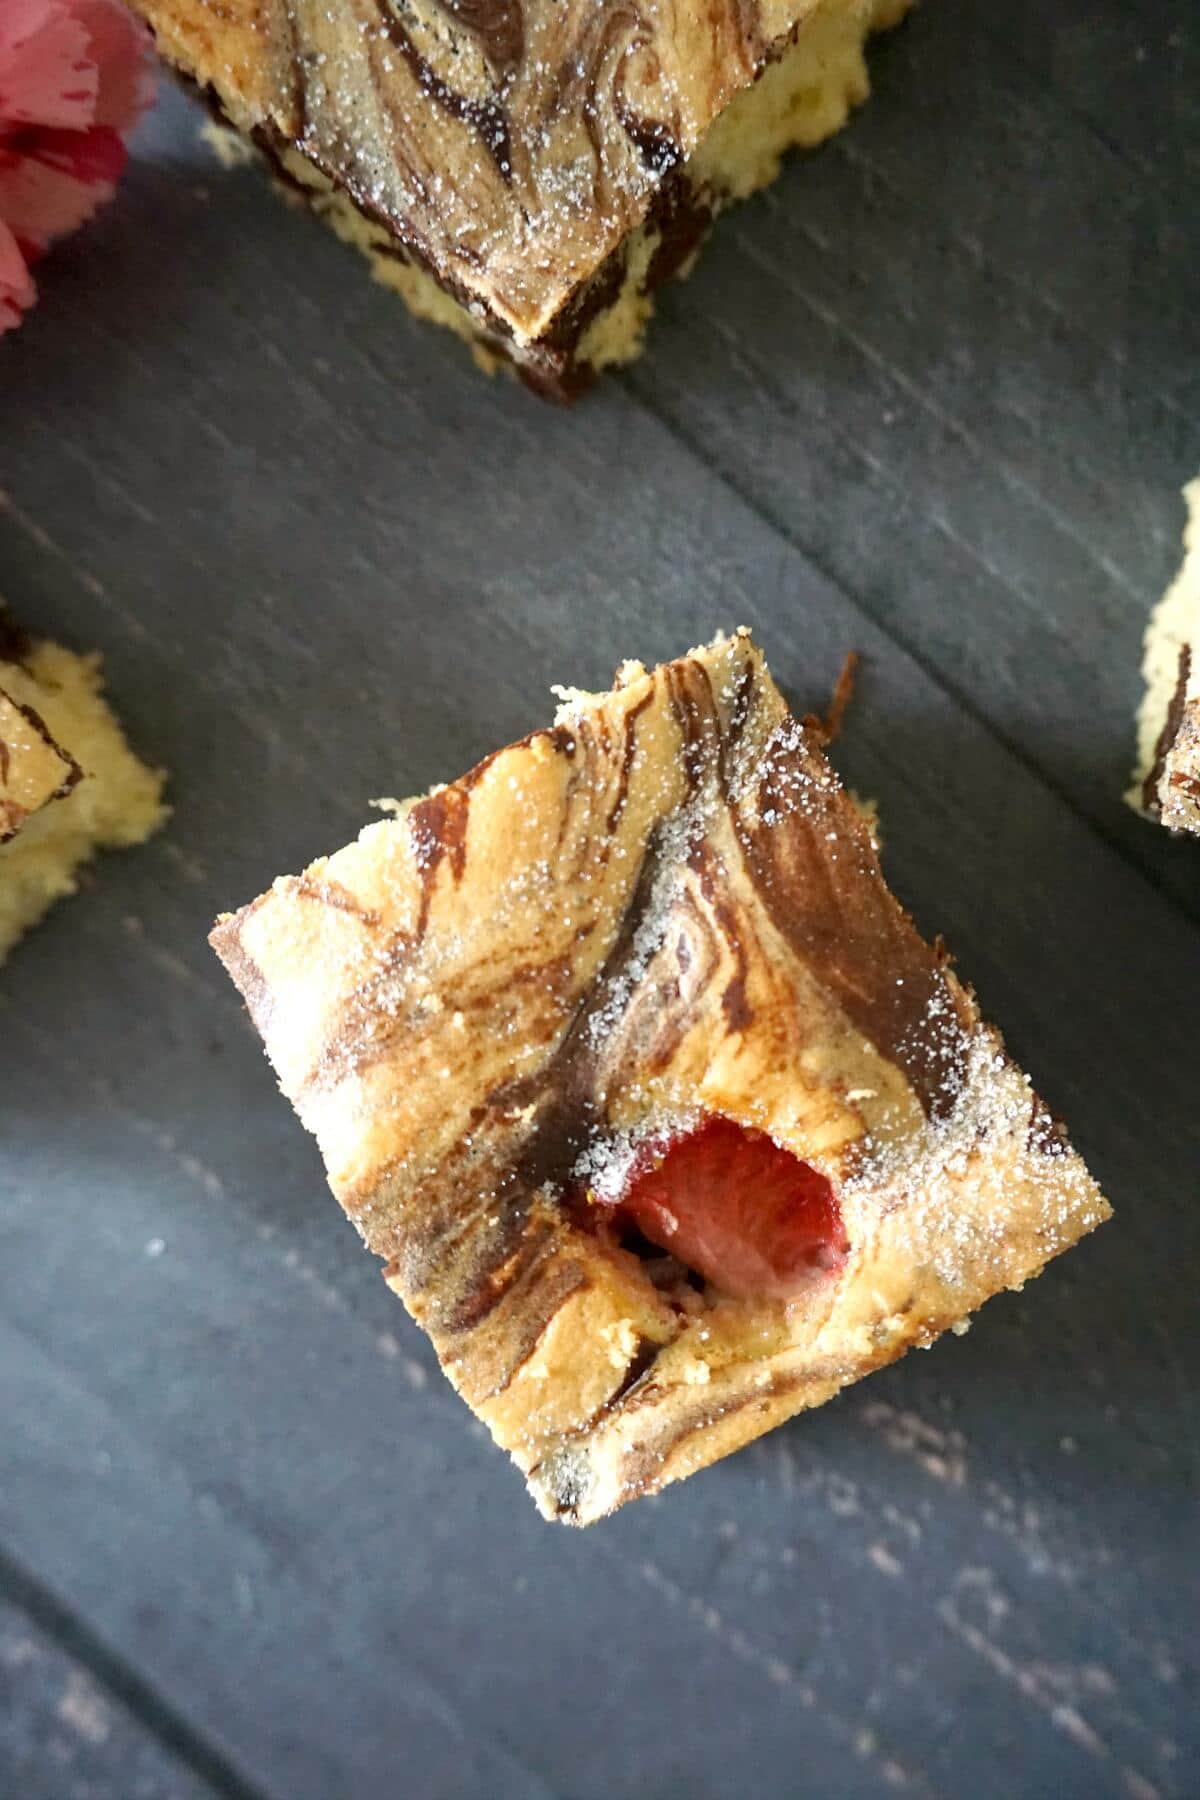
(115, 805)
(1166, 778)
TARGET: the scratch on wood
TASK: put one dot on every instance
(414, 1372)
(189, 866)
(1022, 1525)
(104, 478)
(1137, 1786)
(902, 1522)
(1037, 501)
(208, 425)
(41, 537)
(884, 1561)
(277, 743)
(190, 1165)
(17, 1652)
(172, 964)
(325, 1292)
(1064, 1717)
(1078, 116)
(783, 1674)
(942, 1454)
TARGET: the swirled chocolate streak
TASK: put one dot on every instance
(663, 911)
(511, 148)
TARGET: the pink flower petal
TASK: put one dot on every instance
(122, 51)
(57, 183)
(74, 74)
(48, 70)
(17, 291)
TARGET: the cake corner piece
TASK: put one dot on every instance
(69, 783)
(665, 1120)
(1166, 783)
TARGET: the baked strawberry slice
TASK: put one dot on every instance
(729, 1203)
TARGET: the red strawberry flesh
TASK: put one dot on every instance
(731, 1204)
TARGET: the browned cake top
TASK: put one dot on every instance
(510, 144)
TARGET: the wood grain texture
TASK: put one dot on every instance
(327, 561)
(64, 1735)
(963, 377)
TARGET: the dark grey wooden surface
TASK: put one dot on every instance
(932, 397)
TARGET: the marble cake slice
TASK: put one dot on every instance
(1167, 778)
(34, 769)
(69, 783)
(665, 1120)
(526, 171)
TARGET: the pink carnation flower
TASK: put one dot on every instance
(74, 75)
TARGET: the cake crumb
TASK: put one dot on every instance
(622, 1341)
(1166, 779)
(115, 803)
(230, 148)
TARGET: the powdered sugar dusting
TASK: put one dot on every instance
(607, 1164)
(993, 1169)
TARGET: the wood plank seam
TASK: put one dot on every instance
(155, 1714)
(1148, 173)
(862, 164)
(955, 427)
(932, 674)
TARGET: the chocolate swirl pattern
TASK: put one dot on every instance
(34, 769)
(662, 909)
(510, 148)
